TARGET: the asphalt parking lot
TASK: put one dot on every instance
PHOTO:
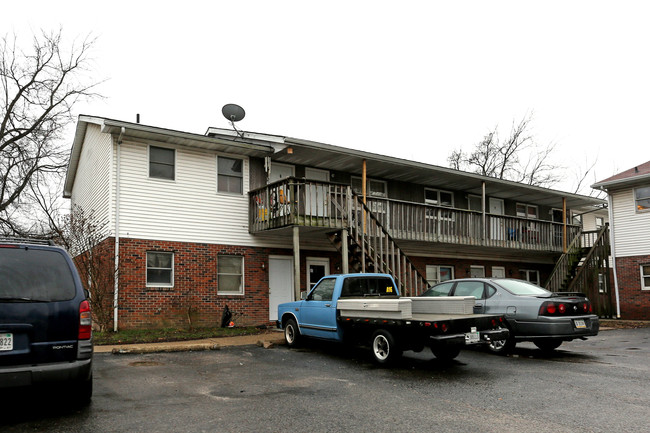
(587, 386)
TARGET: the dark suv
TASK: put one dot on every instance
(45, 323)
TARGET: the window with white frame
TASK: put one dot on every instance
(530, 275)
(230, 174)
(600, 222)
(230, 275)
(160, 269)
(374, 187)
(527, 211)
(438, 197)
(477, 271)
(642, 199)
(437, 274)
(162, 163)
(645, 277)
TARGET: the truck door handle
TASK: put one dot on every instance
(328, 305)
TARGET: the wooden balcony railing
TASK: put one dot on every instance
(321, 204)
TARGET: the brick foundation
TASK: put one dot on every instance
(634, 302)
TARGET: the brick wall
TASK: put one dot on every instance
(194, 297)
(462, 267)
(634, 302)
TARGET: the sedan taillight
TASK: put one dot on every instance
(85, 321)
(550, 308)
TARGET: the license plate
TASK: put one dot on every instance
(6, 342)
(472, 337)
(579, 323)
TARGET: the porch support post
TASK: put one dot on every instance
(483, 227)
(344, 251)
(564, 227)
(296, 261)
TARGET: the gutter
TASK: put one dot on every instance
(612, 243)
(613, 247)
(116, 278)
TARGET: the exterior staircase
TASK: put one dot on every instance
(371, 248)
(585, 268)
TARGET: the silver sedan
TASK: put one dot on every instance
(531, 312)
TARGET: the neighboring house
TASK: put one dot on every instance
(198, 222)
(629, 206)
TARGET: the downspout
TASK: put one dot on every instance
(610, 212)
(117, 233)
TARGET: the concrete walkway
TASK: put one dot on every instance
(266, 340)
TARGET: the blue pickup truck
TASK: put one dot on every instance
(366, 309)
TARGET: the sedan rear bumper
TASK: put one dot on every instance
(556, 327)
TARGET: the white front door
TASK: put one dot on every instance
(280, 283)
(497, 227)
(317, 192)
(280, 171)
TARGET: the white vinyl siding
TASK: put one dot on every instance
(632, 237)
(186, 210)
(91, 190)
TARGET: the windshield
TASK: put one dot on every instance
(522, 288)
(28, 274)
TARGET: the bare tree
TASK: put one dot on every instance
(39, 89)
(82, 235)
(517, 158)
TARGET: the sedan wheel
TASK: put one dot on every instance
(502, 347)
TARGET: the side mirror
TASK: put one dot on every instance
(303, 296)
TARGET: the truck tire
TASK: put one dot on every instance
(445, 353)
(384, 348)
(291, 333)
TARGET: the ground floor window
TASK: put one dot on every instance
(645, 277)
(436, 274)
(530, 275)
(160, 269)
(230, 275)
(477, 271)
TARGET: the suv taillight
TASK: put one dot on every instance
(85, 321)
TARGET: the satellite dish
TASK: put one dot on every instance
(233, 112)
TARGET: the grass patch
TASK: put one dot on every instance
(167, 334)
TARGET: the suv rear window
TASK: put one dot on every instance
(30, 274)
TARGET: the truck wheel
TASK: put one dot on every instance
(384, 348)
(547, 345)
(291, 333)
(445, 353)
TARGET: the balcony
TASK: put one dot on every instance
(306, 203)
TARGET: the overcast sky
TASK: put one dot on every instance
(412, 79)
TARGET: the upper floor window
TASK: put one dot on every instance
(160, 269)
(527, 211)
(600, 222)
(438, 197)
(161, 162)
(642, 198)
(475, 202)
(374, 188)
(230, 175)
